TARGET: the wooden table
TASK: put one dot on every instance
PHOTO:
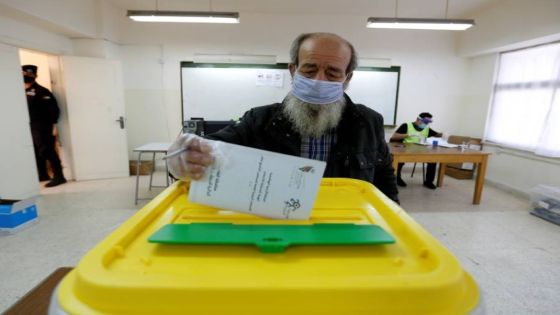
(410, 152)
(38, 299)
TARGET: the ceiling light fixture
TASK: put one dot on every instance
(183, 16)
(419, 24)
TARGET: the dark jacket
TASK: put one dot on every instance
(43, 111)
(360, 151)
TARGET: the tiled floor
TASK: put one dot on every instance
(513, 256)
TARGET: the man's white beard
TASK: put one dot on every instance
(312, 119)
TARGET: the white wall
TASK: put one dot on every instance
(108, 18)
(478, 90)
(23, 35)
(49, 25)
(431, 78)
(96, 48)
(510, 24)
(18, 171)
(74, 18)
(520, 171)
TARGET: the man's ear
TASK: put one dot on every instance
(292, 67)
(348, 77)
(347, 81)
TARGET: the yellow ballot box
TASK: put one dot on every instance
(358, 253)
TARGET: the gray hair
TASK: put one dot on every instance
(296, 44)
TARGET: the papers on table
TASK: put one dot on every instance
(259, 182)
(440, 142)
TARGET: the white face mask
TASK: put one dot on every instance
(316, 91)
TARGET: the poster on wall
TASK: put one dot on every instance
(273, 78)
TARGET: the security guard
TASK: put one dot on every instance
(43, 114)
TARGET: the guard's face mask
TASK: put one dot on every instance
(316, 91)
(28, 79)
(424, 122)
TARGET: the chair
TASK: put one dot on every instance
(460, 170)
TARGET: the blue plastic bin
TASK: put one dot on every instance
(16, 214)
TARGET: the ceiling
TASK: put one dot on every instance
(378, 8)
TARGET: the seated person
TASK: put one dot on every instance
(416, 132)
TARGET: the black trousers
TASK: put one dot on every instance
(430, 172)
(44, 145)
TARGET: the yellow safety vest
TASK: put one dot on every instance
(414, 135)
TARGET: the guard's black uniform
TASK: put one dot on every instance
(43, 114)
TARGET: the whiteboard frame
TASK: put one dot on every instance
(284, 66)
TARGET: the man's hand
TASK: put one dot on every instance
(191, 163)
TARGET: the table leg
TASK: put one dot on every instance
(153, 169)
(166, 173)
(395, 164)
(441, 173)
(480, 180)
(137, 178)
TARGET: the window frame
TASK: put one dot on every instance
(498, 66)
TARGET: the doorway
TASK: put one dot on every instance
(48, 76)
(91, 128)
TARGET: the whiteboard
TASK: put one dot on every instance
(227, 91)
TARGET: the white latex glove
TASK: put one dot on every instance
(191, 163)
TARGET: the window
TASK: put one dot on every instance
(525, 110)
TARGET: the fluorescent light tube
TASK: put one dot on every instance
(419, 24)
(183, 16)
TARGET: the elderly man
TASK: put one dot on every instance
(316, 120)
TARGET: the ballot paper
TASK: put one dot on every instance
(259, 182)
(440, 142)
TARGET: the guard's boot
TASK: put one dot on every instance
(58, 178)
